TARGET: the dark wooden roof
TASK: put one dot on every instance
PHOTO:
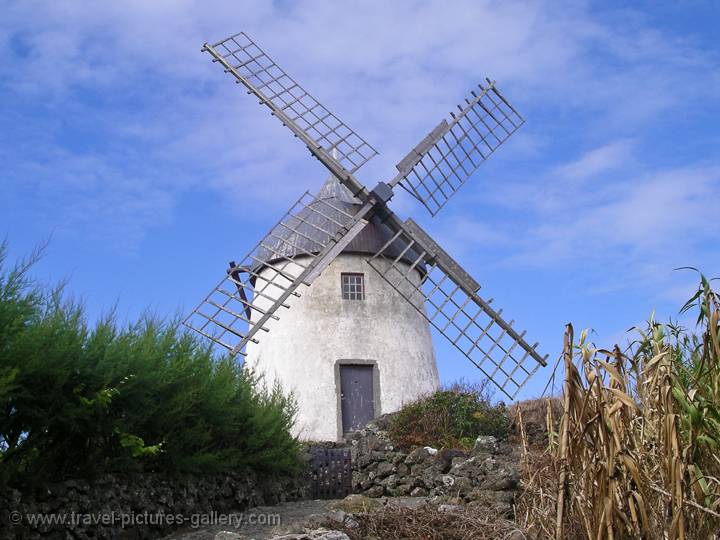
(310, 224)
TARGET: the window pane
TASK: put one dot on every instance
(352, 286)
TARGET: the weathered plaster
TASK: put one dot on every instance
(321, 329)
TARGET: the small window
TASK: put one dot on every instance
(353, 286)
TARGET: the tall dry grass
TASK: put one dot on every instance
(636, 453)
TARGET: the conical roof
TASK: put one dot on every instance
(307, 234)
(333, 189)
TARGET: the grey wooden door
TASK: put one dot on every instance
(356, 396)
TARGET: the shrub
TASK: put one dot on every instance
(77, 400)
(452, 417)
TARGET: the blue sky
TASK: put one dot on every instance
(150, 170)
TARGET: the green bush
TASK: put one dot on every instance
(452, 417)
(76, 400)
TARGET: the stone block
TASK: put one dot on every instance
(485, 444)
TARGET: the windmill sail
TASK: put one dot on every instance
(293, 253)
(318, 228)
(306, 117)
(443, 161)
(442, 292)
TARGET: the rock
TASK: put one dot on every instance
(366, 483)
(337, 515)
(486, 476)
(489, 465)
(314, 534)
(80, 486)
(470, 468)
(227, 535)
(363, 461)
(418, 492)
(446, 456)
(355, 504)
(385, 469)
(324, 534)
(391, 482)
(431, 478)
(450, 508)
(419, 455)
(505, 448)
(357, 477)
(152, 492)
(448, 481)
(399, 458)
(417, 469)
(13, 497)
(504, 478)
(485, 444)
(400, 490)
(412, 503)
(460, 486)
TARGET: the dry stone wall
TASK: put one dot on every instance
(487, 474)
(84, 509)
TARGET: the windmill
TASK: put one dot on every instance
(412, 274)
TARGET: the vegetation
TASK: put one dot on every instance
(427, 522)
(76, 400)
(636, 453)
(452, 417)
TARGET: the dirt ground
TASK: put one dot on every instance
(262, 522)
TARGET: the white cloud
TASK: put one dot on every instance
(170, 121)
(631, 234)
(611, 156)
(464, 237)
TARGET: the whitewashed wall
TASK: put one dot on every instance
(321, 329)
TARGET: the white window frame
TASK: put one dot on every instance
(352, 286)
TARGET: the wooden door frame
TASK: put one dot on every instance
(377, 409)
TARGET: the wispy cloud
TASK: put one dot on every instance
(629, 232)
(641, 215)
(118, 134)
(614, 155)
(150, 118)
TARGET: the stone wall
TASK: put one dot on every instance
(488, 474)
(140, 498)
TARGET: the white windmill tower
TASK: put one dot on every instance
(347, 345)
(357, 342)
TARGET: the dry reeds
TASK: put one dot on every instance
(428, 522)
(636, 455)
